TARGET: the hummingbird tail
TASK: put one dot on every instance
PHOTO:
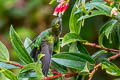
(46, 60)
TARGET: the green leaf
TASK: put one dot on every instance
(97, 54)
(2, 77)
(28, 67)
(28, 45)
(69, 63)
(57, 47)
(72, 60)
(102, 7)
(19, 47)
(106, 25)
(58, 67)
(100, 39)
(52, 1)
(8, 74)
(109, 29)
(69, 38)
(38, 70)
(83, 6)
(7, 66)
(85, 70)
(76, 13)
(106, 30)
(93, 13)
(73, 47)
(115, 36)
(117, 79)
(110, 68)
(32, 78)
(102, 1)
(33, 66)
(81, 48)
(4, 54)
(28, 74)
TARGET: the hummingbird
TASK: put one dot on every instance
(44, 44)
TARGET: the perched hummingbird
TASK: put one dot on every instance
(45, 43)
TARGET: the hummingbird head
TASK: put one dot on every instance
(57, 22)
(57, 26)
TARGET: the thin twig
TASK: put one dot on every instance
(18, 65)
(98, 65)
(52, 77)
(100, 47)
(114, 56)
(46, 78)
(73, 73)
(93, 71)
(59, 74)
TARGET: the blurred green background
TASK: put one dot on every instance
(30, 17)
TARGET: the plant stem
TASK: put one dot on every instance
(18, 65)
(83, 77)
(73, 73)
(98, 65)
(114, 56)
(100, 47)
(46, 78)
(59, 74)
(93, 71)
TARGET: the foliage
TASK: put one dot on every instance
(76, 58)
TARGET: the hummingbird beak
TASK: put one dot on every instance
(60, 20)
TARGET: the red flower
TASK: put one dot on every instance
(61, 7)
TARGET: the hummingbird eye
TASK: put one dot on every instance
(57, 24)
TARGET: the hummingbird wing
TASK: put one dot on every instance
(41, 35)
(47, 50)
(34, 54)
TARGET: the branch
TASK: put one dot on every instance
(73, 73)
(114, 56)
(59, 74)
(94, 70)
(46, 78)
(100, 47)
(18, 65)
(98, 65)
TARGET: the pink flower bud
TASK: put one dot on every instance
(114, 12)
